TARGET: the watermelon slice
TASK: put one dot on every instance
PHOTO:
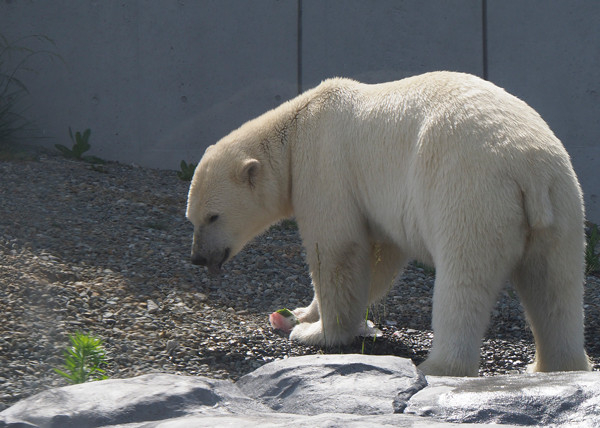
(283, 319)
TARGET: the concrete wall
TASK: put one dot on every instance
(389, 39)
(156, 81)
(159, 80)
(547, 52)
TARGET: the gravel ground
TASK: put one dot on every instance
(105, 250)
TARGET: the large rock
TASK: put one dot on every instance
(317, 391)
(152, 397)
(568, 398)
(313, 385)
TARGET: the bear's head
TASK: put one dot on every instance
(234, 196)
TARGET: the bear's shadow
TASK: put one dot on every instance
(386, 344)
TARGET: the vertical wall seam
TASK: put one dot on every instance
(299, 48)
(484, 38)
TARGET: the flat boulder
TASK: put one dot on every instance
(350, 383)
(562, 398)
(317, 391)
(147, 398)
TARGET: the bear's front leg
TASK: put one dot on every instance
(309, 313)
(340, 276)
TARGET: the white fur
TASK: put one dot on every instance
(443, 167)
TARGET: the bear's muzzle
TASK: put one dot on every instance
(197, 259)
(213, 262)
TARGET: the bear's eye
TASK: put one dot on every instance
(213, 218)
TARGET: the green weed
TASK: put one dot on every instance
(289, 224)
(592, 256)
(187, 171)
(428, 270)
(83, 359)
(81, 144)
(14, 59)
(286, 224)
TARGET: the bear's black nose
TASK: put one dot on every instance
(197, 259)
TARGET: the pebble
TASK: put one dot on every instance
(113, 260)
(151, 306)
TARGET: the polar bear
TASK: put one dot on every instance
(444, 168)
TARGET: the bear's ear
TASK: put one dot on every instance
(248, 171)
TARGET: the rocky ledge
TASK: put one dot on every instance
(318, 390)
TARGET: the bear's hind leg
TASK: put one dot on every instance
(549, 281)
(463, 298)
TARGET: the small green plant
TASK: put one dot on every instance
(14, 59)
(286, 224)
(83, 359)
(428, 270)
(81, 145)
(187, 171)
(364, 339)
(289, 224)
(592, 257)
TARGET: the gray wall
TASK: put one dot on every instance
(159, 80)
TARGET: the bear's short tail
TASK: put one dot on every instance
(538, 208)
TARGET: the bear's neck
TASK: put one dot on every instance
(289, 127)
(281, 147)
(287, 132)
